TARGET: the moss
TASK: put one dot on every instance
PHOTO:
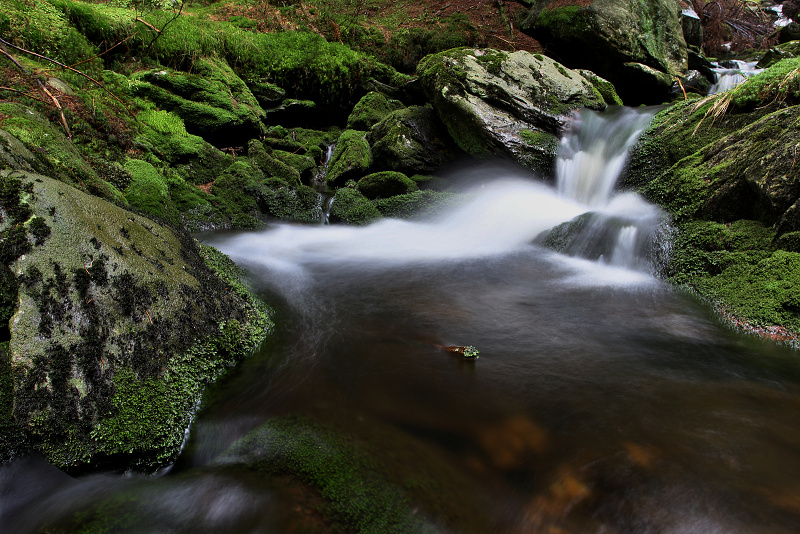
(385, 184)
(350, 206)
(372, 107)
(604, 87)
(779, 83)
(56, 155)
(351, 158)
(164, 136)
(789, 241)
(238, 188)
(300, 204)
(360, 498)
(571, 17)
(148, 191)
(272, 167)
(212, 100)
(418, 204)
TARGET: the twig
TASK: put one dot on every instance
(76, 71)
(2, 88)
(138, 19)
(41, 86)
(105, 51)
(148, 316)
(682, 89)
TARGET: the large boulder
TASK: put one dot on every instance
(496, 103)
(638, 45)
(212, 100)
(117, 324)
(411, 140)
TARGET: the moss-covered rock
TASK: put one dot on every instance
(213, 101)
(603, 86)
(638, 45)
(297, 204)
(262, 157)
(164, 137)
(120, 324)
(418, 204)
(148, 191)
(239, 187)
(372, 107)
(350, 206)
(385, 184)
(486, 98)
(412, 140)
(351, 159)
(53, 154)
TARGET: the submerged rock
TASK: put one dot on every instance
(510, 104)
(637, 45)
(118, 325)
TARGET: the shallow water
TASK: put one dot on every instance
(604, 400)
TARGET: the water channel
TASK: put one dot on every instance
(604, 400)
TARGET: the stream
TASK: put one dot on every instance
(603, 399)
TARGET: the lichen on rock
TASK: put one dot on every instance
(119, 324)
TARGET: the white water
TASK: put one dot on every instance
(502, 215)
(728, 78)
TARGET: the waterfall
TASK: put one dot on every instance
(732, 74)
(618, 229)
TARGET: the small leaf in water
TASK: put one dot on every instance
(470, 352)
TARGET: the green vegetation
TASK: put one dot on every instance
(385, 184)
(359, 497)
(351, 159)
(352, 207)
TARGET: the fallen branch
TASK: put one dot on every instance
(76, 71)
(43, 88)
(2, 88)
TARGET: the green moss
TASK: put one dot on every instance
(351, 158)
(238, 188)
(300, 204)
(56, 155)
(789, 241)
(350, 206)
(370, 110)
(165, 137)
(570, 17)
(418, 204)
(212, 100)
(148, 191)
(385, 184)
(604, 87)
(360, 498)
(779, 83)
(271, 164)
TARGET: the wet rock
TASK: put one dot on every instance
(372, 107)
(613, 38)
(351, 159)
(118, 325)
(496, 103)
(411, 140)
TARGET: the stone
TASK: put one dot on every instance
(351, 159)
(118, 325)
(213, 101)
(385, 184)
(500, 104)
(611, 36)
(411, 140)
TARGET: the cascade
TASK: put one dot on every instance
(732, 74)
(618, 229)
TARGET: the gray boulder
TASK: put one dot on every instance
(637, 45)
(496, 103)
(115, 325)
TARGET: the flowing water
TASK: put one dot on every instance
(603, 400)
(731, 75)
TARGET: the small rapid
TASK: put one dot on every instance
(603, 400)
